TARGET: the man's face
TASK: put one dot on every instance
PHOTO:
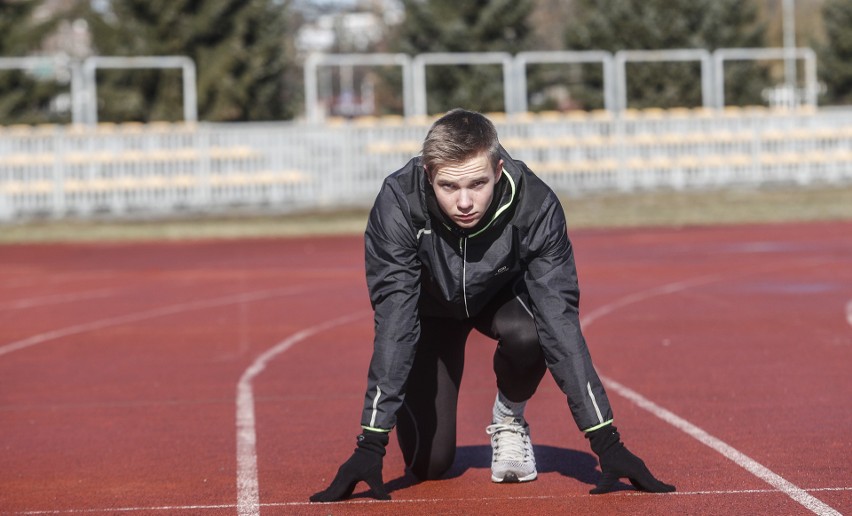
(464, 190)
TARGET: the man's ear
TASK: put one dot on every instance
(499, 172)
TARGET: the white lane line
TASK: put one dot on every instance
(149, 314)
(427, 501)
(752, 466)
(669, 288)
(849, 312)
(56, 299)
(248, 497)
(726, 450)
(128, 509)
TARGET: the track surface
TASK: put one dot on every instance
(227, 377)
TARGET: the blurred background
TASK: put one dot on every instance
(132, 110)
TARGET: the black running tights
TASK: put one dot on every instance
(426, 423)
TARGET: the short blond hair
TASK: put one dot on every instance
(458, 136)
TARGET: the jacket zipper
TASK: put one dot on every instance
(463, 249)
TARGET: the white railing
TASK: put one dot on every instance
(413, 73)
(615, 74)
(168, 169)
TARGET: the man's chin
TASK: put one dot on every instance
(466, 223)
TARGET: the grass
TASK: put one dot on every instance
(599, 210)
(666, 208)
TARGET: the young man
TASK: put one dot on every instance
(464, 237)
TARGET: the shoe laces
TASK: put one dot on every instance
(510, 440)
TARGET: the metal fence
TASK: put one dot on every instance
(515, 81)
(83, 74)
(172, 169)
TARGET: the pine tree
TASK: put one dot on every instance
(240, 50)
(470, 26)
(25, 97)
(835, 60)
(615, 25)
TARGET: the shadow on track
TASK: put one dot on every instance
(580, 466)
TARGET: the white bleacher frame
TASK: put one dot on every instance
(314, 61)
(622, 57)
(720, 56)
(522, 59)
(92, 64)
(461, 58)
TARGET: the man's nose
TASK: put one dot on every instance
(465, 201)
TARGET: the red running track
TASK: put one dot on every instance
(227, 377)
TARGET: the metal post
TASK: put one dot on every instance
(190, 100)
(311, 88)
(508, 85)
(78, 94)
(790, 44)
(811, 86)
(418, 75)
(609, 81)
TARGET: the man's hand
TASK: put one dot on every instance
(617, 462)
(365, 464)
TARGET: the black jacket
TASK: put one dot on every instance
(418, 263)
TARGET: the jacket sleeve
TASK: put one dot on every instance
(393, 280)
(551, 280)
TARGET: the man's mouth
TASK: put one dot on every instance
(466, 218)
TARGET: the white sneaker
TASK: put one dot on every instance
(512, 458)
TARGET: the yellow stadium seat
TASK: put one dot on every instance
(550, 116)
(379, 147)
(653, 113)
(525, 117)
(392, 120)
(106, 127)
(578, 115)
(703, 112)
(601, 114)
(680, 112)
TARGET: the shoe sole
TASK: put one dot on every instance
(512, 478)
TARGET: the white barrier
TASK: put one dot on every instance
(168, 169)
(614, 87)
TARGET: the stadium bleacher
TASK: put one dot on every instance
(164, 168)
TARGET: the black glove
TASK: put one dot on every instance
(365, 464)
(617, 462)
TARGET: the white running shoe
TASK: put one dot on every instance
(512, 458)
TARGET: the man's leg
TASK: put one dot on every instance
(426, 423)
(519, 367)
(518, 360)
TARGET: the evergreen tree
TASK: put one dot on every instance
(835, 63)
(670, 24)
(240, 50)
(470, 26)
(25, 95)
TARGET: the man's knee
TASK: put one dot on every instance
(517, 332)
(432, 467)
(521, 346)
(519, 364)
